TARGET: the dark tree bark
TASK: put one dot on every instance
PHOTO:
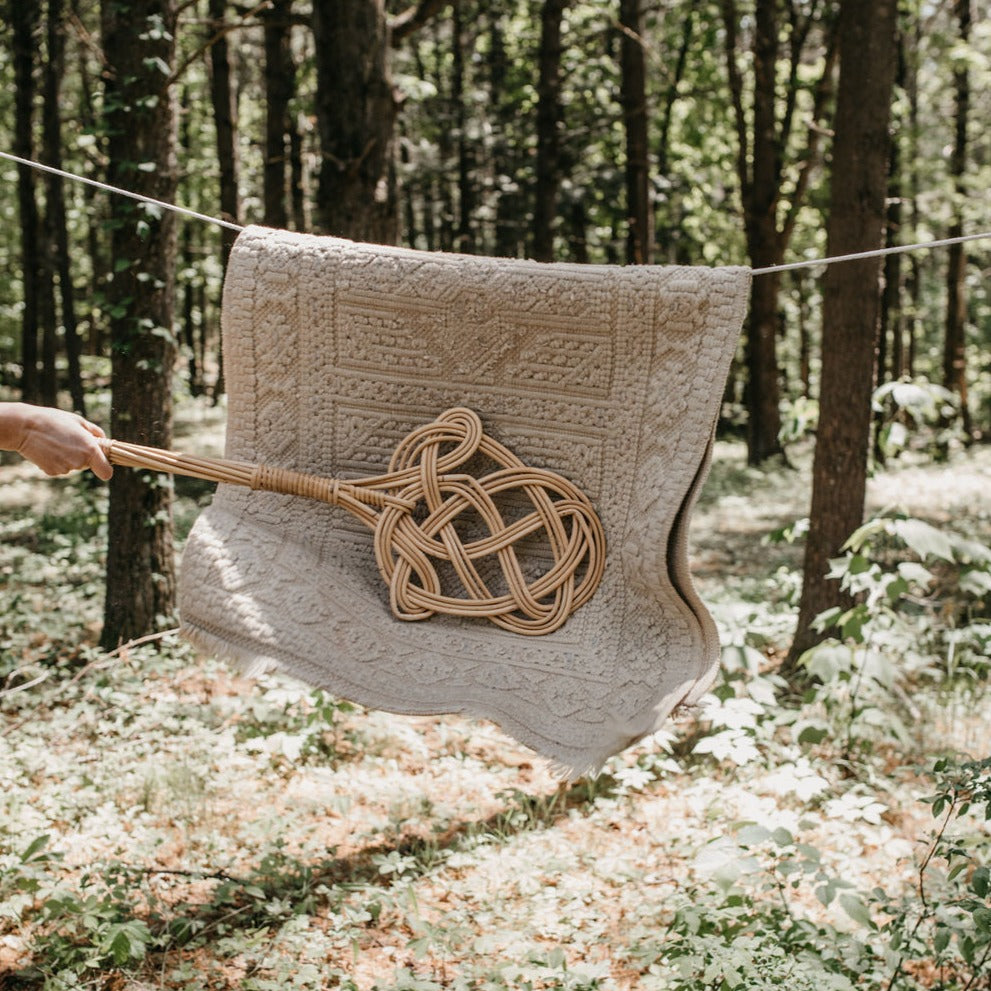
(190, 248)
(804, 335)
(851, 295)
(139, 48)
(356, 114)
(665, 232)
(297, 177)
(509, 206)
(23, 16)
(94, 201)
(762, 149)
(225, 123)
(548, 130)
(56, 225)
(224, 103)
(280, 84)
(890, 346)
(633, 96)
(467, 194)
(954, 345)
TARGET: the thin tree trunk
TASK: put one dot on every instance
(57, 224)
(804, 335)
(851, 299)
(578, 231)
(509, 207)
(140, 121)
(465, 235)
(664, 232)
(24, 20)
(954, 346)
(889, 347)
(189, 264)
(548, 130)
(94, 202)
(356, 113)
(279, 87)
(762, 146)
(297, 177)
(225, 123)
(633, 87)
(225, 127)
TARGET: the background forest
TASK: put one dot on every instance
(821, 820)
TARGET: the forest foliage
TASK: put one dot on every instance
(817, 822)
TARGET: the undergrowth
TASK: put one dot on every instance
(167, 823)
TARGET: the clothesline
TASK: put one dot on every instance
(767, 270)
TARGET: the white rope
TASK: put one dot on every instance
(122, 192)
(768, 270)
(878, 253)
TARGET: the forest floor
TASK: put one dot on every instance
(168, 823)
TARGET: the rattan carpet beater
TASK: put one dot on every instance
(413, 510)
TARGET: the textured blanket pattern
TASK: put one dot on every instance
(610, 376)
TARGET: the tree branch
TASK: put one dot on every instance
(730, 20)
(222, 29)
(413, 18)
(823, 93)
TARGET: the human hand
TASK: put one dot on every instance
(55, 440)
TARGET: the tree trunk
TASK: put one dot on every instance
(279, 87)
(510, 207)
(24, 20)
(56, 220)
(188, 262)
(804, 335)
(297, 177)
(762, 147)
(851, 296)
(356, 114)
(890, 350)
(548, 130)
(48, 317)
(954, 345)
(140, 120)
(633, 95)
(665, 231)
(225, 123)
(467, 195)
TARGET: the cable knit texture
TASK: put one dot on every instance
(611, 377)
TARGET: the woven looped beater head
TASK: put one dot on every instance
(412, 548)
(432, 516)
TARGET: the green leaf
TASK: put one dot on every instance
(753, 834)
(980, 881)
(856, 909)
(914, 573)
(782, 837)
(34, 848)
(924, 539)
(810, 732)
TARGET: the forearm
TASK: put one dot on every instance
(55, 440)
(14, 424)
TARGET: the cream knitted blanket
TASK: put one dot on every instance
(611, 377)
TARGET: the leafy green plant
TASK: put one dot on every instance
(921, 595)
(943, 926)
(916, 414)
(727, 934)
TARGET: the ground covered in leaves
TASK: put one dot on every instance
(167, 823)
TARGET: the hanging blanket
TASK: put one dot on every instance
(611, 377)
